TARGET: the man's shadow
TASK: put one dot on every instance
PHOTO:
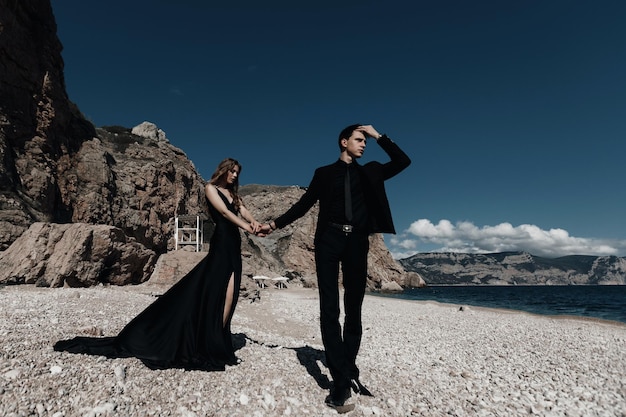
(309, 358)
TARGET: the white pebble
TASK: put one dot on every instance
(12, 374)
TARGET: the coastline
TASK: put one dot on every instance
(598, 320)
(592, 301)
(421, 358)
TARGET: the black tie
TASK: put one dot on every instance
(348, 196)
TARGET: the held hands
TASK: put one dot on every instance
(261, 230)
(254, 227)
(258, 229)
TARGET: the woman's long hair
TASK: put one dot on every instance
(220, 174)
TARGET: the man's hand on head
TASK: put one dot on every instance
(369, 131)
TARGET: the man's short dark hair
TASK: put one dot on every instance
(346, 133)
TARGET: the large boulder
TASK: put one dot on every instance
(75, 255)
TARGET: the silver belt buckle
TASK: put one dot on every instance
(347, 228)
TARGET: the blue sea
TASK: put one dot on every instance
(606, 302)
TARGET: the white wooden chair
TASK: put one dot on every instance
(188, 231)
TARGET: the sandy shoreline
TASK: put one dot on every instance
(419, 358)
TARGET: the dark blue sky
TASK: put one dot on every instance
(514, 113)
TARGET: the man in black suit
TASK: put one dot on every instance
(352, 204)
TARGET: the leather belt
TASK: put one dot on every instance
(346, 228)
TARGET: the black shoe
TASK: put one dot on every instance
(360, 388)
(338, 396)
(337, 400)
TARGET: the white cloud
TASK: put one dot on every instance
(466, 237)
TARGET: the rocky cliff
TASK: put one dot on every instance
(40, 128)
(57, 169)
(516, 268)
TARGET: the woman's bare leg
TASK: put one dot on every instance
(228, 303)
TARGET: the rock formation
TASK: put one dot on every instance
(56, 167)
(58, 170)
(136, 183)
(516, 268)
(75, 255)
(39, 126)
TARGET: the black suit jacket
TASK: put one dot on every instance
(373, 174)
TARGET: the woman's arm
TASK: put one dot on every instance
(256, 226)
(217, 202)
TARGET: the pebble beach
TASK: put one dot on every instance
(418, 358)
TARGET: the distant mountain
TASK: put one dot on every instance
(516, 268)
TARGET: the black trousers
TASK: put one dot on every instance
(332, 248)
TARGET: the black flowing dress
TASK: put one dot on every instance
(184, 327)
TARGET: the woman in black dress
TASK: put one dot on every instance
(189, 326)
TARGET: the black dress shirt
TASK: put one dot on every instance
(337, 196)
